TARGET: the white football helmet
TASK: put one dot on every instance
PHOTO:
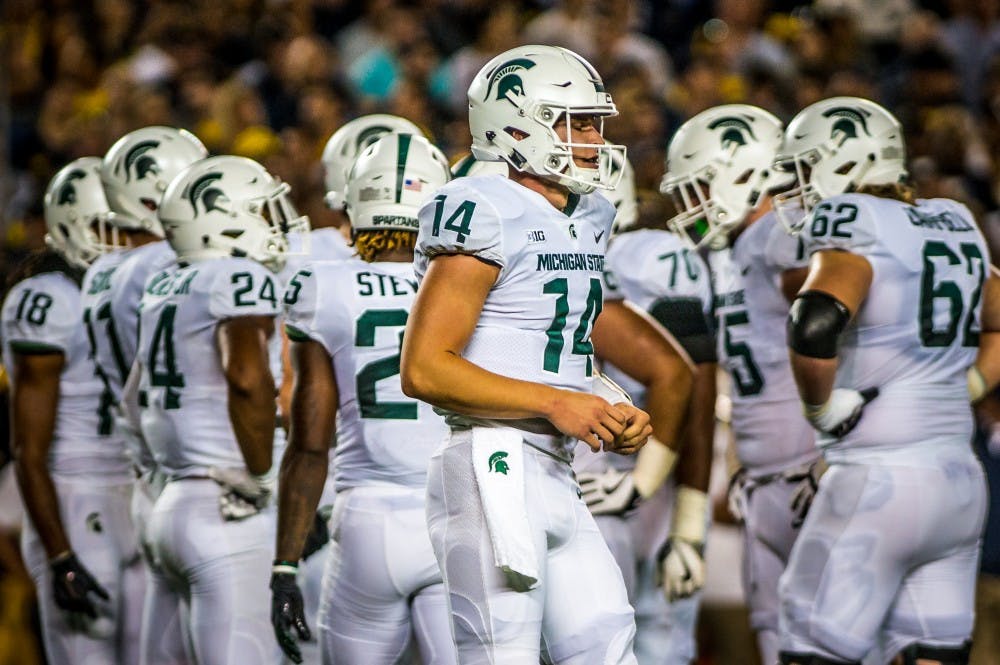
(835, 146)
(390, 180)
(623, 196)
(528, 89)
(470, 166)
(348, 142)
(719, 164)
(229, 206)
(76, 212)
(137, 169)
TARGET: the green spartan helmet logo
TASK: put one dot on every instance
(506, 81)
(67, 193)
(498, 462)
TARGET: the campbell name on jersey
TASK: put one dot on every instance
(183, 391)
(917, 330)
(43, 314)
(535, 324)
(357, 311)
(751, 310)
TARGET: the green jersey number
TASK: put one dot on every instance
(106, 400)
(383, 368)
(677, 258)
(33, 308)
(827, 219)
(243, 297)
(748, 379)
(581, 336)
(163, 341)
(950, 293)
(459, 221)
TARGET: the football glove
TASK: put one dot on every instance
(244, 494)
(736, 495)
(319, 534)
(682, 559)
(806, 480)
(841, 412)
(287, 611)
(71, 584)
(610, 493)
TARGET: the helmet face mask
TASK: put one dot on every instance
(518, 98)
(344, 146)
(77, 214)
(230, 206)
(390, 180)
(718, 170)
(835, 146)
(137, 169)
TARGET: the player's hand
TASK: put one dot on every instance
(806, 480)
(841, 412)
(287, 612)
(637, 431)
(318, 536)
(682, 568)
(735, 499)
(71, 584)
(610, 493)
(587, 417)
(244, 494)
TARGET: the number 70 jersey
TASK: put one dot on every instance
(183, 392)
(918, 329)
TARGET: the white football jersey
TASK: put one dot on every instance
(127, 284)
(43, 313)
(917, 331)
(647, 267)
(358, 311)
(751, 313)
(535, 324)
(182, 390)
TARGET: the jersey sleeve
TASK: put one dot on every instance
(42, 315)
(461, 220)
(242, 287)
(303, 310)
(844, 222)
(783, 251)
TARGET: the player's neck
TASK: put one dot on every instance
(556, 194)
(140, 238)
(394, 255)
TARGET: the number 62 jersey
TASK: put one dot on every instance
(918, 329)
(183, 392)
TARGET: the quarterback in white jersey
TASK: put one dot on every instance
(719, 175)
(654, 270)
(345, 320)
(71, 465)
(212, 524)
(498, 338)
(880, 336)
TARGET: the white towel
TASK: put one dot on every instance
(498, 461)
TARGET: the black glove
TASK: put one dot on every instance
(287, 611)
(71, 583)
(318, 536)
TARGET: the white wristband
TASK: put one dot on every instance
(652, 467)
(285, 568)
(690, 515)
(976, 384)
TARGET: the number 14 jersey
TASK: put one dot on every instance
(918, 329)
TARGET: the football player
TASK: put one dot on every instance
(881, 335)
(207, 399)
(72, 469)
(499, 339)
(719, 175)
(345, 319)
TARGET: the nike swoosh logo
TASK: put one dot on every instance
(799, 137)
(688, 156)
(598, 236)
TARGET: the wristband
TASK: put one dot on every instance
(976, 383)
(690, 515)
(282, 566)
(652, 467)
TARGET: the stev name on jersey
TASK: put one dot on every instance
(943, 221)
(164, 284)
(570, 261)
(729, 299)
(399, 287)
(101, 282)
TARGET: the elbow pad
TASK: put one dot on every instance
(815, 322)
(686, 321)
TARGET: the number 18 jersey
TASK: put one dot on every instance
(183, 392)
(917, 331)
(357, 311)
(535, 324)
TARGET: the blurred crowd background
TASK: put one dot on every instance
(273, 79)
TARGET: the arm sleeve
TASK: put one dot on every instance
(43, 314)
(244, 288)
(844, 222)
(461, 220)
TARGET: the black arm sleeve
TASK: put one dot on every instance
(686, 321)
